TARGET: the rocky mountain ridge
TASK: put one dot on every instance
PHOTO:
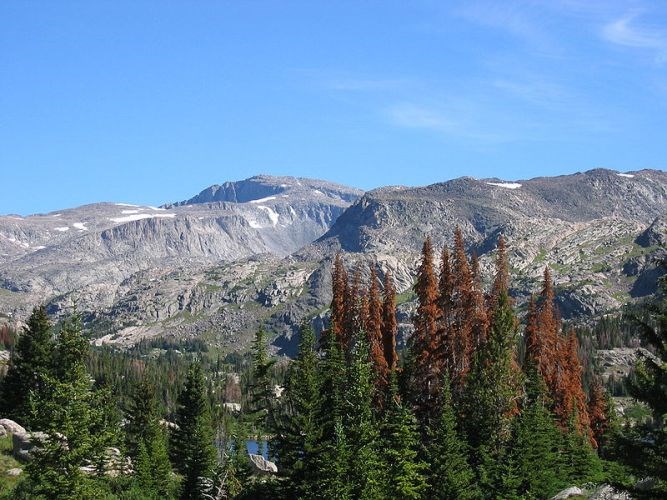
(260, 250)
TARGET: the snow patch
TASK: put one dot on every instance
(131, 218)
(129, 211)
(126, 205)
(262, 200)
(317, 191)
(56, 215)
(283, 185)
(62, 229)
(254, 224)
(80, 226)
(271, 213)
(506, 185)
(285, 196)
(39, 248)
(11, 239)
(629, 176)
(158, 208)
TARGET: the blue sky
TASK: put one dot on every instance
(150, 102)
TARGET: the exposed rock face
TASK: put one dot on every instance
(568, 493)
(261, 466)
(259, 251)
(25, 443)
(10, 427)
(88, 253)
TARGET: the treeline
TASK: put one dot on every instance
(476, 408)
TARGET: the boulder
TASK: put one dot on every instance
(11, 427)
(232, 407)
(262, 466)
(567, 493)
(607, 492)
(14, 472)
(24, 444)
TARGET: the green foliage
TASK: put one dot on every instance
(404, 475)
(296, 428)
(193, 451)
(30, 365)
(450, 474)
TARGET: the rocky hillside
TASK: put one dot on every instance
(238, 254)
(95, 252)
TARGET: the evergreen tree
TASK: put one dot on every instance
(405, 472)
(297, 433)
(579, 461)
(643, 447)
(193, 452)
(333, 452)
(450, 474)
(78, 427)
(389, 322)
(423, 370)
(365, 470)
(535, 466)
(339, 285)
(29, 366)
(146, 442)
(259, 390)
(374, 334)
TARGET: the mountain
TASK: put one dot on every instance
(259, 251)
(95, 251)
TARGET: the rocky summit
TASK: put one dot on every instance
(258, 251)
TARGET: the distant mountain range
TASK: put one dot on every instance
(259, 250)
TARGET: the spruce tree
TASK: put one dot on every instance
(389, 322)
(366, 468)
(78, 427)
(535, 466)
(297, 432)
(29, 366)
(193, 451)
(450, 473)
(146, 442)
(405, 472)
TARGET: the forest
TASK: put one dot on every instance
(479, 404)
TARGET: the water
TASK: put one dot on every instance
(253, 446)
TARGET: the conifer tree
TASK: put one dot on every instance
(492, 392)
(338, 303)
(29, 366)
(259, 397)
(297, 433)
(193, 452)
(424, 372)
(374, 333)
(598, 411)
(77, 426)
(146, 442)
(362, 437)
(534, 458)
(405, 472)
(450, 473)
(389, 323)
(459, 352)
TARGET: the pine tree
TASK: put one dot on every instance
(405, 471)
(338, 303)
(297, 436)
(490, 398)
(259, 397)
(423, 372)
(333, 452)
(193, 452)
(389, 323)
(460, 336)
(374, 334)
(29, 365)
(77, 428)
(579, 462)
(450, 474)
(365, 470)
(535, 466)
(146, 442)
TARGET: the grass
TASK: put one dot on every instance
(406, 296)
(7, 462)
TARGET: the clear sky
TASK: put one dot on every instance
(150, 102)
